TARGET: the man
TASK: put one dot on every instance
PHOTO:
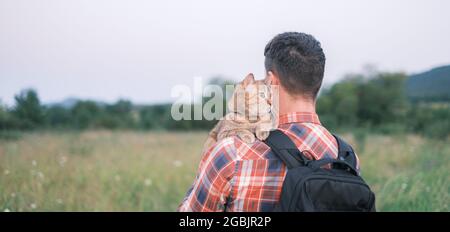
(235, 176)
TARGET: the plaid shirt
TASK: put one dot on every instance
(235, 176)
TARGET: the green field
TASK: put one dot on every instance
(151, 171)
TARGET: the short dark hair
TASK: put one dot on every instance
(299, 62)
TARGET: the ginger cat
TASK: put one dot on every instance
(251, 113)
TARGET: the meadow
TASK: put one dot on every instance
(151, 171)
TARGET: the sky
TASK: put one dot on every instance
(139, 50)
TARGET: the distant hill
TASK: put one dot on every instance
(433, 85)
(68, 103)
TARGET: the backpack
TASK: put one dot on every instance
(308, 187)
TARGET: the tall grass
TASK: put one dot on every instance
(151, 171)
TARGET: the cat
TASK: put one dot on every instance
(251, 113)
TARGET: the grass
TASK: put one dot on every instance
(151, 171)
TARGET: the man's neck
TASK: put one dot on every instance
(289, 104)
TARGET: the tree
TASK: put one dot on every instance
(382, 100)
(118, 115)
(338, 105)
(58, 116)
(4, 118)
(85, 114)
(155, 116)
(28, 110)
(358, 100)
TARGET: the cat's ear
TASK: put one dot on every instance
(248, 80)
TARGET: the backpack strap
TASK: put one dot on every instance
(285, 149)
(345, 152)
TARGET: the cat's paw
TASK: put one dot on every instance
(262, 135)
(246, 136)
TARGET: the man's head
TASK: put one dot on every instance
(298, 61)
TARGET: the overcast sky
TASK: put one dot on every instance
(139, 50)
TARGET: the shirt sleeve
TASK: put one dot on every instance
(211, 187)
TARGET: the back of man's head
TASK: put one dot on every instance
(298, 61)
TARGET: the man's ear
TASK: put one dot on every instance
(248, 79)
(272, 79)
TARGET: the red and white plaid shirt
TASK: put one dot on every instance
(235, 176)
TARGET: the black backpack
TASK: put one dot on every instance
(308, 187)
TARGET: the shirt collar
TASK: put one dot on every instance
(299, 117)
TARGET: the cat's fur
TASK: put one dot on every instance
(251, 113)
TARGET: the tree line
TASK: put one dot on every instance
(375, 102)
(379, 103)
